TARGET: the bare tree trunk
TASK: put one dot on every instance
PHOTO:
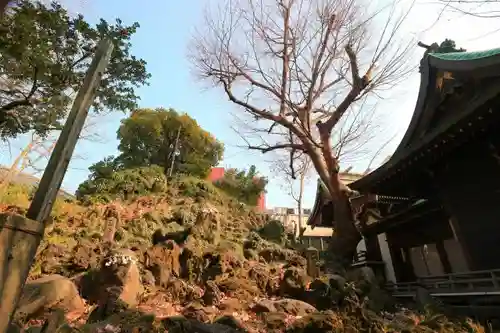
(345, 237)
(299, 206)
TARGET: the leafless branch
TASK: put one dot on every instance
(475, 8)
(377, 153)
(301, 71)
(266, 149)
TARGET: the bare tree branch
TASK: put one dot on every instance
(476, 8)
(266, 149)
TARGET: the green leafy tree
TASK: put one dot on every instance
(105, 168)
(44, 55)
(245, 186)
(147, 145)
(448, 46)
(105, 185)
(149, 136)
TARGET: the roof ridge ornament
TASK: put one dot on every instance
(429, 48)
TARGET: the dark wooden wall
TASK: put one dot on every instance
(429, 228)
(327, 215)
(426, 229)
(470, 187)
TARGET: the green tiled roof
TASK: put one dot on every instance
(466, 55)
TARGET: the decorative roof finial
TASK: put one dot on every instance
(429, 48)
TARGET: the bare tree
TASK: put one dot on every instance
(18, 165)
(32, 158)
(473, 9)
(303, 168)
(352, 141)
(39, 154)
(298, 68)
(299, 197)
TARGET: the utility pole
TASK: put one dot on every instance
(20, 236)
(176, 145)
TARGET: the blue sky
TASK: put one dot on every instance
(166, 27)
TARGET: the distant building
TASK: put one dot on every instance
(322, 212)
(289, 216)
(261, 202)
(317, 237)
(317, 234)
(218, 172)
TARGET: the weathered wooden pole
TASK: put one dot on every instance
(3, 6)
(20, 236)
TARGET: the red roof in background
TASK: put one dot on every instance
(218, 172)
(261, 203)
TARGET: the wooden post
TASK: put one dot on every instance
(19, 236)
(3, 6)
(49, 186)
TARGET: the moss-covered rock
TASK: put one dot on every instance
(273, 231)
(233, 260)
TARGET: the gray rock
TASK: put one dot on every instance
(264, 305)
(294, 307)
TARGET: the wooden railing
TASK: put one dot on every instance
(359, 257)
(475, 282)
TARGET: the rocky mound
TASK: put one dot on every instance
(195, 263)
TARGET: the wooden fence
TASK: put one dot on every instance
(467, 283)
